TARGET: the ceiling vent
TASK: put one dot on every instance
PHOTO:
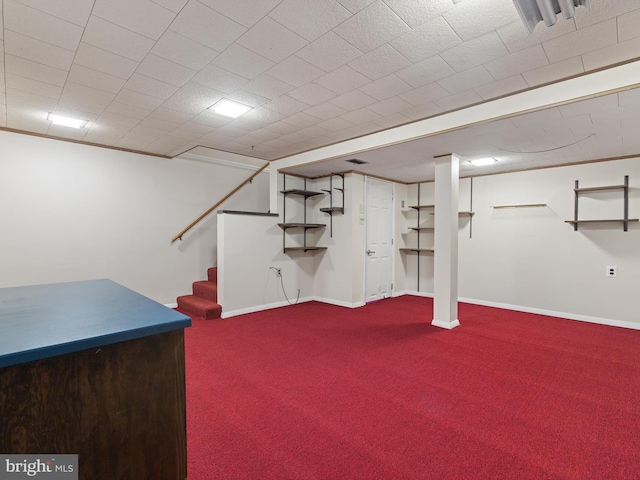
(356, 161)
(534, 11)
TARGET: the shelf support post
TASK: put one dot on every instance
(445, 302)
(626, 203)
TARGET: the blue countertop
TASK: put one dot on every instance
(42, 321)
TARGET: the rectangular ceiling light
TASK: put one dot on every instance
(481, 162)
(534, 11)
(229, 108)
(66, 121)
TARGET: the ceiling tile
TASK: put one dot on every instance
(603, 10)
(66, 132)
(427, 40)
(137, 99)
(516, 37)
(165, 70)
(386, 87)
(37, 51)
(329, 52)
(115, 39)
(628, 26)
(295, 71)
(342, 80)
(354, 6)
(206, 118)
(166, 115)
(475, 52)
(335, 124)
(312, 94)
(380, 62)
(128, 110)
(37, 71)
(325, 111)
(463, 81)
(173, 5)
(150, 86)
(474, 19)
(206, 26)
(102, 137)
(112, 122)
(87, 94)
(502, 87)
(268, 87)
(392, 120)
(425, 72)
(361, 116)
(417, 13)
(310, 18)
(518, 62)
(30, 85)
(74, 11)
(88, 106)
(390, 106)
(95, 79)
(620, 52)
(219, 78)
(183, 51)
(193, 98)
(245, 12)
(41, 26)
(156, 123)
(301, 120)
(20, 98)
(248, 98)
(581, 41)
(242, 61)
(586, 107)
(536, 118)
(271, 40)
(553, 72)
(375, 25)
(103, 61)
(353, 100)
(425, 94)
(141, 16)
(286, 105)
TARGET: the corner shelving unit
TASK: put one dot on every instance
(304, 225)
(331, 209)
(419, 229)
(624, 188)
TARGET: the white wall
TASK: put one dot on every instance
(530, 259)
(75, 212)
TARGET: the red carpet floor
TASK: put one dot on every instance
(315, 391)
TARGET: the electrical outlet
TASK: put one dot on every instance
(612, 271)
(278, 272)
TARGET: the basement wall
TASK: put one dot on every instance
(76, 212)
(528, 258)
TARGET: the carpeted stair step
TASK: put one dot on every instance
(212, 274)
(200, 307)
(205, 289)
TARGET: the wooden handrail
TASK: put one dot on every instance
(226, 197)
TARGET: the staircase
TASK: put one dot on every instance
(204, 301)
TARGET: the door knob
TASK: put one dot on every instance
(369, 252)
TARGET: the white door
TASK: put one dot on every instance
(379, 239)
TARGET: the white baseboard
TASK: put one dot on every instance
(171, 305)
(339, 303)
(551, 313)
(260, 308)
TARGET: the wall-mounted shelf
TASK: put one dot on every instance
(304, 225)
(421, 207)
(624, 188)
(421, 229)
(522, 205)
(416, 250)
(334, 209)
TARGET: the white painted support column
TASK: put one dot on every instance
(445, 276)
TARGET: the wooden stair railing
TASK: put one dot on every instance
(224, 199)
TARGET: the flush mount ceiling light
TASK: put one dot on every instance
(229, 108)
(481, 162)
(66, 121)
(534, 11)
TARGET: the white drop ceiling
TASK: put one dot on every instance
(144, 72)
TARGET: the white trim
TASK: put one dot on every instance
(419, 294)
(260, 308)
(449, 325)
(551, 313)
(339, 303)
(227, 162)
(171, 305)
